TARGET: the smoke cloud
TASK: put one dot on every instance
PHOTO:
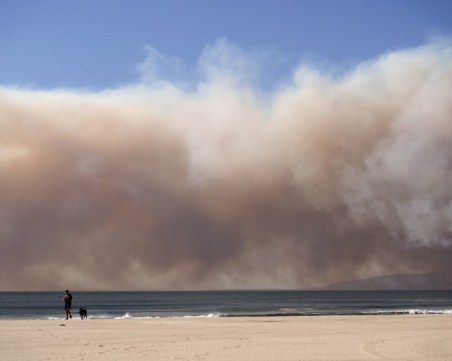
(157, 186)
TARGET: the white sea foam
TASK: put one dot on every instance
(413, 312)
(124, 317)
(128, 316)
(429, 312)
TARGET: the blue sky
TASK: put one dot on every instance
(100, 44)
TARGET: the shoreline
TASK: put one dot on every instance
(413, 337)
(126, 317)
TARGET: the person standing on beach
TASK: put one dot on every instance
(67, 304)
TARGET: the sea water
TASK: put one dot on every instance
(49, 305)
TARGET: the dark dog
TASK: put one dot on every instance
(83, 313)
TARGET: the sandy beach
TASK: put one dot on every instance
(404, 337)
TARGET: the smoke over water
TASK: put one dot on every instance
(158, 187)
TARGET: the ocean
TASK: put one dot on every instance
(130, 305)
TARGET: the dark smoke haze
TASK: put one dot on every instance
(327, 179)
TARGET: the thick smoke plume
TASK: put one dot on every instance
(327, 179)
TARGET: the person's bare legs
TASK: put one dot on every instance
(68, 312)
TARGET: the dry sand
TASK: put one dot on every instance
(407, 337)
